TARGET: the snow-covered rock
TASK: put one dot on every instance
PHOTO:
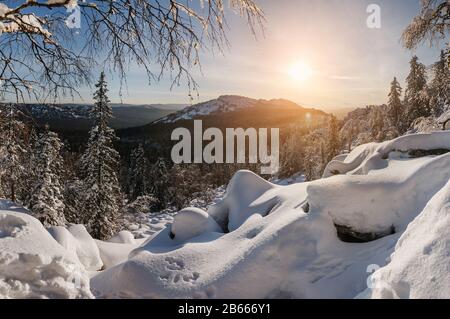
(32, 263)
(283, 240)
(123, 237)
(87, 250)
(77, 241)
(243, 199)
(192, 222)
(113, 253)
(419, 266)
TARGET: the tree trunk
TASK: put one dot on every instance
(13, 192)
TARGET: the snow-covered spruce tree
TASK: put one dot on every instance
(292, 153)
(12, 151)
(333, 146)
(47, 202)
(377, 125)
(99, 164)
(416, 95)
(159, 174)
(73, 200)
(137, 173)
(440, 86)
(395, 106)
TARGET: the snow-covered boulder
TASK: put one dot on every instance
(123, 237)
(87, 250)
(113, 253)
(243, 199)
(419, 266)
(78, 242)
(32, 263)
(192, 222)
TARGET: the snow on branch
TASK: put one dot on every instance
(433, 23)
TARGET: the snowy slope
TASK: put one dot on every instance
(282, 241)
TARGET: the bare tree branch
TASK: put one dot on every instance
(41, 57)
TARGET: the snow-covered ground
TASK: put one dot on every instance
(287, 239)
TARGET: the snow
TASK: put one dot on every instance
(71, 4)
(78, 242)
(123, 237)
(281, 241)
(32, 263)
(192, 222)
(113, 253)
(419, 266)
(87, 250)
(4, 9)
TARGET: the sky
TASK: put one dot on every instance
(317, 53)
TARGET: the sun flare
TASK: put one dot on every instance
(300, 71)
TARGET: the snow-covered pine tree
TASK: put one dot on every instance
(74, 210)
(12, 150)
(377, 125)
(440, 86)
(47, 202)
(416, 96)
(292, 155)
(99, 163)
(395, 106)
(333, 146)
(29, 164)
(137, 173)
(159, 173)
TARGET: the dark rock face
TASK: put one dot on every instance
(349, 235)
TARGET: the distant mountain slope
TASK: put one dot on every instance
(229, 112)
(225, 103)
(68, 117)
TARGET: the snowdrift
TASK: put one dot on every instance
(32, 263)
(282, 241)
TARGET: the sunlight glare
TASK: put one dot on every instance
(300, 71)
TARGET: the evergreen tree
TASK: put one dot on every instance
(293, 153)
(159, 173)
(47, 203)
(440, 86)
(74, 210)
(333, 146)
(12, 151)
(395, 106)
(99, 166)
(416, 97)
(137, 174)
(377, 125)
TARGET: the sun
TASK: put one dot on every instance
(300, 71)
